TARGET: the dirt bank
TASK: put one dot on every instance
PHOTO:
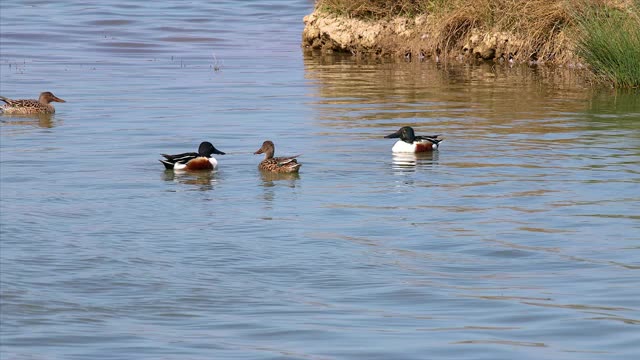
(423, 37)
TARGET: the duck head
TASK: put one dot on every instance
(207, 149)
(267, 148)
(47, 97)
(405, 134)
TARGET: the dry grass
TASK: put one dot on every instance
(375, 9)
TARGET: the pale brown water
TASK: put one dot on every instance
(518, 239)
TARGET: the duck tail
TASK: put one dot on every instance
(167, 165)
(6, 100)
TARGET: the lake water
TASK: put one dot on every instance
(520, 238)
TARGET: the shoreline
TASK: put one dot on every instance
(602, 37)
(414, 39)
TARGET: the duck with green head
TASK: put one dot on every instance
(411, 143)
(193, 161)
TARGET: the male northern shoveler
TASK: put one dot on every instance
(410, 143)
(287, 164)
(31, 106)
(202, 160)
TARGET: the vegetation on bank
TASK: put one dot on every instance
(605, 33)
(609, 41)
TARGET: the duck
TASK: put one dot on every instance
(30, 106)
(410, 143)
(192, 161)
(284, 164)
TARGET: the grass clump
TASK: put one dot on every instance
(609, 41)
(376, 9)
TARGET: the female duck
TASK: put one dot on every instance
(410, 143)
(287, 164)
(192, 161)
(30, 106)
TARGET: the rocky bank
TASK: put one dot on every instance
(421, 37)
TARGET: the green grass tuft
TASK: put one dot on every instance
(610, 43)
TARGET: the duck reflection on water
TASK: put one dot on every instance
(269, 178)
(203, 180)
(411, 161)
(44, 120)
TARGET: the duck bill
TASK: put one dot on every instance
(394, 135)
(57, 99)
(260, 151)
(218, 152)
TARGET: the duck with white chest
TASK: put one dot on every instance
(411, 143)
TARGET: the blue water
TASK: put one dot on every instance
(520, 238)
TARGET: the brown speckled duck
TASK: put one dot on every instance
(287, 164)
(30, 106)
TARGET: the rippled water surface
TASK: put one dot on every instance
(520, 238)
